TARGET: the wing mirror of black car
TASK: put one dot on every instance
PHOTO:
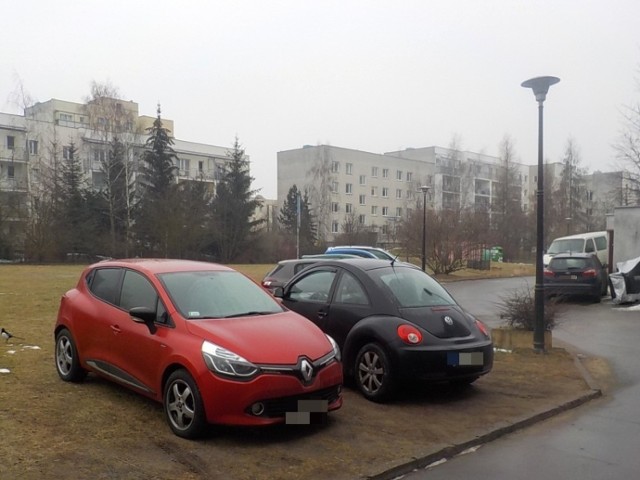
(278, 292)
(144, 315)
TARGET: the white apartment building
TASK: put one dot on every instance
(379, 189)
(30, 143)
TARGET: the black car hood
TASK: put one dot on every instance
(442, 322)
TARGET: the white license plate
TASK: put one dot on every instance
(465, 359)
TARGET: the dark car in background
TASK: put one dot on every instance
(575, 274)
(203, 339)
(394, 323)
(286, 269)
(361, 251)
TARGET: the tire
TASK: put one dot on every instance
(67, 360)
(183, 405)
(373, 373)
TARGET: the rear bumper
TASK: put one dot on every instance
(431, 364)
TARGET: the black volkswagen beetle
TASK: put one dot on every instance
(393, 322)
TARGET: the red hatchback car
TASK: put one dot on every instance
(203, 339)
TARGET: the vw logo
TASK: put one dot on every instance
(448, 320)
(306, 369)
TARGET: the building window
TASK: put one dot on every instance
(385, 173)
(11, 173)
(349, 168)
(99, 155)
(335, 167)
(200, 166)
(11, 142)
(385, 211)
(374, 171)
(398, 212)
(33, 147)
(66, 153)
(335, 227)
(362, 219)
(410, 194)
(398, 193)
(385, 192)
(183, 166)
(363, 179)
(66, 117)
(334, 187)
(362, 199)
(374, 210)
(348, 208)
(348, 188)
(398, 174)
(335, 207)
(409, 176)
(374, 191)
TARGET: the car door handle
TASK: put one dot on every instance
(116, 329)
(322, 313)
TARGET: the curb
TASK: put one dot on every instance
(451, 451)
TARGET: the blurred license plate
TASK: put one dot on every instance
(464, 359)
(569, 277)
(307, 413)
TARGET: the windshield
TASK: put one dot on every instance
(413, 288)
(381, 255)
(567, 245)
(217, 294)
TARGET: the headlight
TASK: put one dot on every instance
(222, 361)
(336, 349)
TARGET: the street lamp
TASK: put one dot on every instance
(424, 189)
(540, 87)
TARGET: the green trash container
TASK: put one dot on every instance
(497, 254)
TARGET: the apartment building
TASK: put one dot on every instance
(379, 189)
(31, 143)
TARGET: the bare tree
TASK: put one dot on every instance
(508, 219)
(115, 125)
(319, 191)
(628, 150)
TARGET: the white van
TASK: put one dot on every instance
(592, 242)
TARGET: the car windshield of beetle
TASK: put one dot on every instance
(413, 288)
(217, 294)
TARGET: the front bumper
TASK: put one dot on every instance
(230, 402)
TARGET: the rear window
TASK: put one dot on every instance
(412, 287)
(571, 263)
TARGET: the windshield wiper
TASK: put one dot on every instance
(247, 314)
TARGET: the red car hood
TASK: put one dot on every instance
(278, 339)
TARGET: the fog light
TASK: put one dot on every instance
(257, 409)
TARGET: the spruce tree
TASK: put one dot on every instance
(233, 208)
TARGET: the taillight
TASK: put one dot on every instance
(591, 273)
(267, 282)
(409, 334)
(483, 328)
(548, 273)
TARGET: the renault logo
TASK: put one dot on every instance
(448, 320)
(306, 369)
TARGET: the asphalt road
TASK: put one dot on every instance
(596, 441)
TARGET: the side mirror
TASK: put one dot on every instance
(278, 292)
(144, 315)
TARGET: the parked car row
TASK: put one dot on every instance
(214, 347)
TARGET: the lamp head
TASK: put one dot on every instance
(425, 188)
(540, 86)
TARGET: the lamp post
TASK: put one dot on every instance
(424, 189)
(540, 87)
(568, 220)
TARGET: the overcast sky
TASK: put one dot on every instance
(368, 75)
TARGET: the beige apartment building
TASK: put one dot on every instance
(31, 143)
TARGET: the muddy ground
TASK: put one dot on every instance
(97, 430)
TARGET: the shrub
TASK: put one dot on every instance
(519, 310)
